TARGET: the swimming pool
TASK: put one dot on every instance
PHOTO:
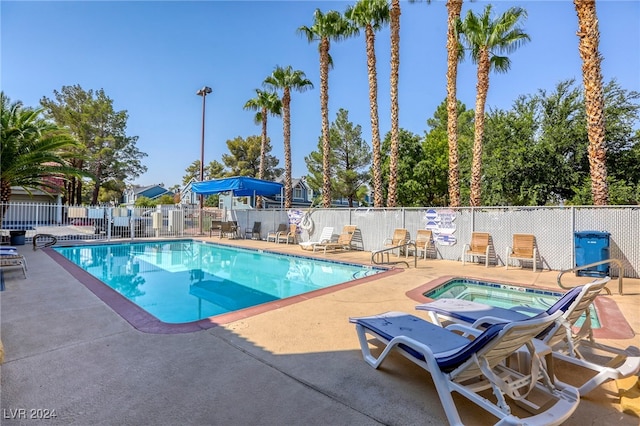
(501, 295)
(185, 281)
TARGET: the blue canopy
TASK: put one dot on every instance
(239, 185)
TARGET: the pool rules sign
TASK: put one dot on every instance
(442, 224)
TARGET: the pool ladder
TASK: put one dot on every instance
(601, 262)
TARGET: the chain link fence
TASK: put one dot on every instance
(553, 227)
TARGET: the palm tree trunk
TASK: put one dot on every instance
(373, 107)
(78, 195)
(324, 110)
(453, 11)
(263, 152)
(482, 89)
(589, 36)
(5, 196)
(395, 130)
(286, 120)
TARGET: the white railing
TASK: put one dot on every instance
(100, 223)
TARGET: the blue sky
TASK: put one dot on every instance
(151, 57)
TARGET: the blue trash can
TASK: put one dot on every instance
(591, 247)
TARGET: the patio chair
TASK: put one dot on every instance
(480, 246)
(424, 243)
(273, 235)
(325, 237)
(459, 364)
(228, 229)
(343, 243)
(216, 226)
(399, 238)
(11, 259)
(288, 236)
(254, 232)
(524, 248)
(566, 343)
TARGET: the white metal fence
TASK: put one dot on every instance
(553, 227)
(99, 223)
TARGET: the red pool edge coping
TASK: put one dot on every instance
(143, 321)
(613, 324)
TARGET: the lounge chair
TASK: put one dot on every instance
(254, 232)
(325, 237)
(566, 343)
(424, 243)
(289, 236)
(343, 243)
(273, 235)
(12, 259)
(524, 248)
(480, 246)
(459, 364)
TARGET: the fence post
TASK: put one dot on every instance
(109, 221)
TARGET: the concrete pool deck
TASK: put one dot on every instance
(66, 350)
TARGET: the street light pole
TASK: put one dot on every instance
(202, 92)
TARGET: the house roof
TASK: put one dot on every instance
(151, 191)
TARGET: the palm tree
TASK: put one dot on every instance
(589, 36)
(265, 103)
(394, 23)
(326, 28)
(287, 79)
(486, 39)
(33, 153)
(453, 55)
(372, 15)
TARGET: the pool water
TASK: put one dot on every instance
(185, 281)
(501, 295)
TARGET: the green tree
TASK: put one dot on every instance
(350, 158)
(536, 152)
(372, 16)
(286, 79)
(244, 158)
(111, 192)
(410, 191)
(214, 170)
(488, 38)
(326, 28)
(423, 162)
(34, 153)
(105, 151)
(143, 201)
(513, 160)
(165, 199)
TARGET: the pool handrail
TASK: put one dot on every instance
(600, 262)
(381, 253)
(52, 241)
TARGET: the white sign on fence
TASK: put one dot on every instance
(442, 224)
